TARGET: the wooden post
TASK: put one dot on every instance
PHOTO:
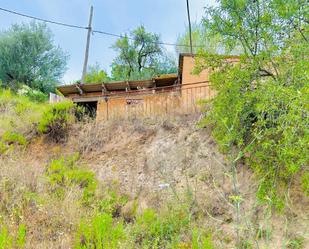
(87, 46)
(190, 34)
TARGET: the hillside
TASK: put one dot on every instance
(142, 183)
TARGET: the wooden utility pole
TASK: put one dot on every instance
(87, 46)
(188, 11)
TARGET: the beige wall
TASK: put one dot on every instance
(187, 71)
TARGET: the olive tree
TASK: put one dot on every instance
(29, 56)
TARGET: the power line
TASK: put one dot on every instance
(43, 20)
(93, 31)
(131, 38)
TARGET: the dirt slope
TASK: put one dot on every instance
(156, 161)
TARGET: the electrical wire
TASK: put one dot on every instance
(43, 20)
(93, 31)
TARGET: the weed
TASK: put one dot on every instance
(7, 240)
(65, 172)
(101, 233)
(201, 240)
(154, 231)
(295, 243)
(56, 120)
(13, 138)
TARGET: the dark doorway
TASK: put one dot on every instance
(88, 109)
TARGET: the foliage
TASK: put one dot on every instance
(96, 75)
(101, 233)
(7, 240)
(201, 40)
(295, 243)
(28, 55)
(140, 57)
(13, 138)
(56, 120)
(33, 95)
(160, 231)
(305, 183)
(65, 172)
(201, 240)
(9, 140)
(18, 114)
(261, 107)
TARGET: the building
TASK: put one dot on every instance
(166, 94)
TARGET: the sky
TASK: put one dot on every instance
(165, 17)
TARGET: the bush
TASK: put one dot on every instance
(33, 95)
(56, 120)
(266, 121)
(13, 138)
(64, 172)
(160, 231)
(101, 233)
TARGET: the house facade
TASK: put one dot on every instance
(166, 94)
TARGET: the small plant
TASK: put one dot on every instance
(295, 243)
(201, 240)
(111, 203)
(65, 172)
(3, 147)
(305, 183)
(7, 240)
(21, 236)
(56, 120)
(154, 231)
(101, 233)
(9, 140)
(13, 138)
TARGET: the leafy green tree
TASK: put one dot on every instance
(96, 75)
(140, 56)
(29, 56)
(202, 40)
(262, 103)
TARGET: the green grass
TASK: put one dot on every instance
(18, 113)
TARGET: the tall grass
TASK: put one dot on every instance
(18, 113)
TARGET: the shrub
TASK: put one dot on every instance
(13, 138)
(33, 95)
(266, 121)
(111, 202)
(64, 172)
(101, 233)
(9, 140)
(56, 120)
(154, 231)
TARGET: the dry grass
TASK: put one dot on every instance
(154, 162)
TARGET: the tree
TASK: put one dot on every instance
(139, 57)
(29, 56)
(202, 40)
(96, 75)
(260, 108)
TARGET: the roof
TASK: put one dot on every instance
(119, 86)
